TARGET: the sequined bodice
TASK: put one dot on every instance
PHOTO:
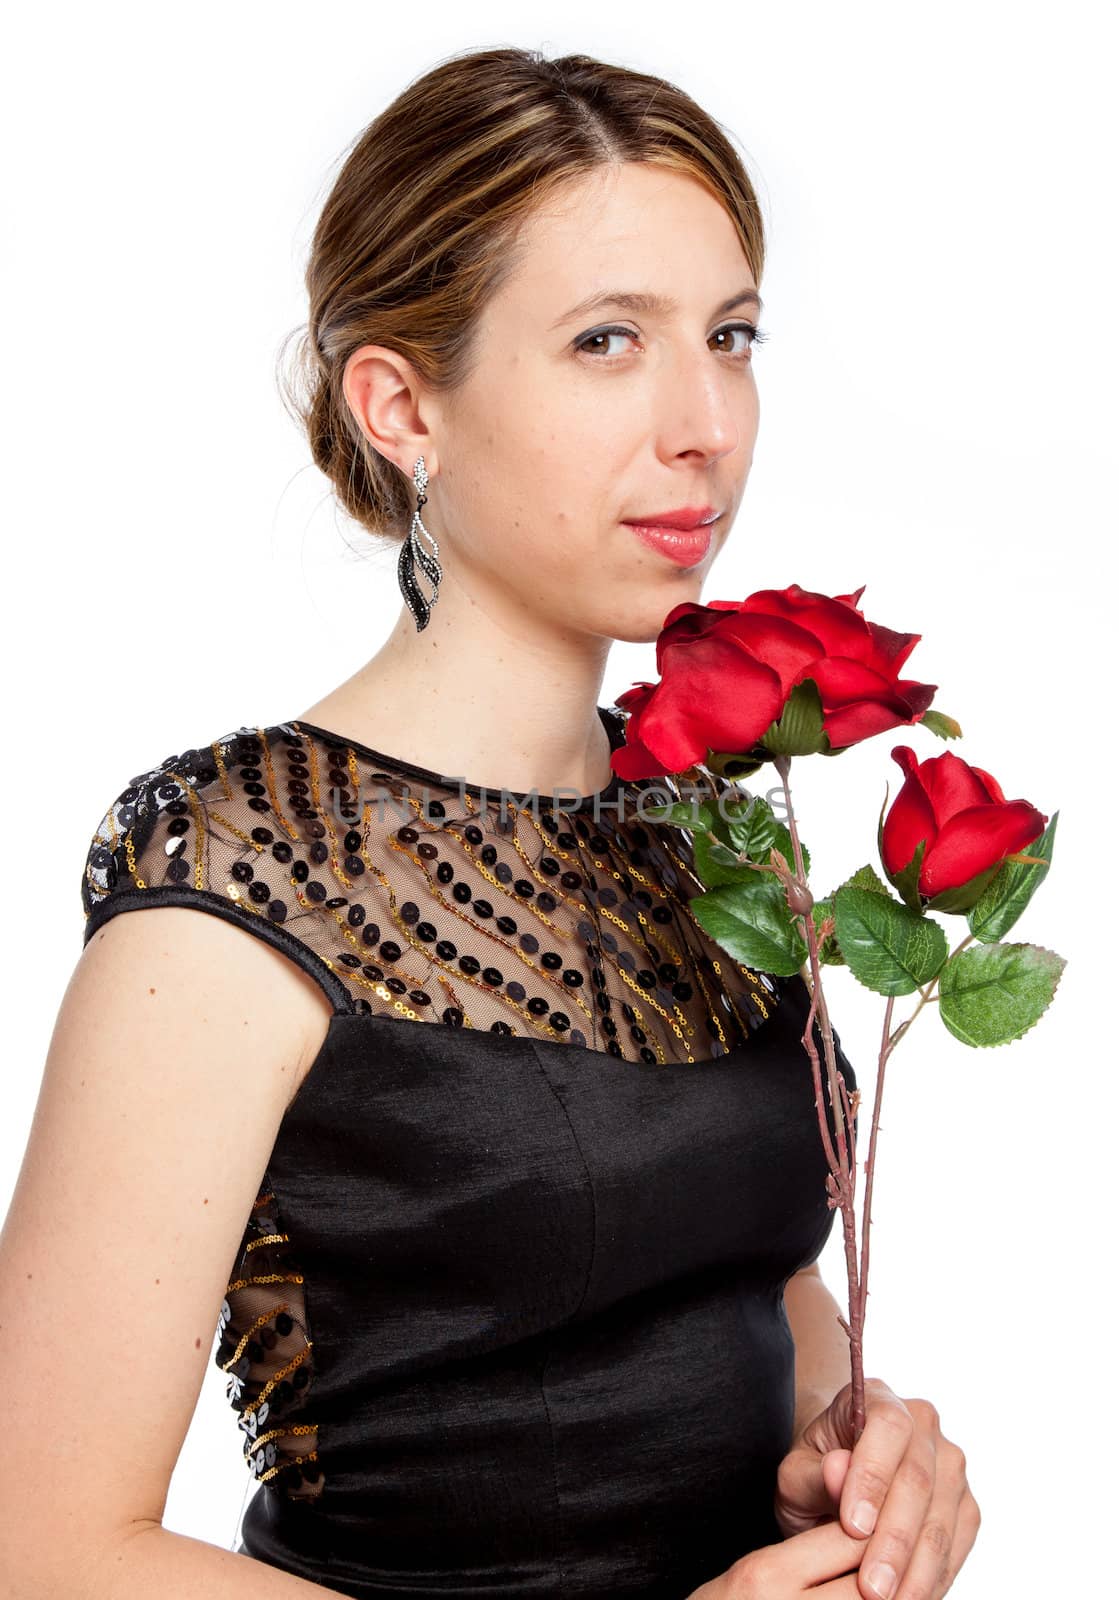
(413, 896)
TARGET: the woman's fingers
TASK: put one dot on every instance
(799, 1563)
(967, 1530)
(896, 1565)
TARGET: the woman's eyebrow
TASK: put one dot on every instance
(656, 304)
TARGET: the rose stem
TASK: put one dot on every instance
(844, 1179)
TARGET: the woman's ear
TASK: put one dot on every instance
(387, 400)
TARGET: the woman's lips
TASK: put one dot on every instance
(686, 547)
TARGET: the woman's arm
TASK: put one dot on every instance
(178, 1045)
(823, 1351)
(151, 1561)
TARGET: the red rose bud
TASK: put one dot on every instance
(727, 669)
(968, 824)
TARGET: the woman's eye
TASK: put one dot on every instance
(597, 343)
(588, 343)
(754, 335)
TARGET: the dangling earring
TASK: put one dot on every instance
(412, 551)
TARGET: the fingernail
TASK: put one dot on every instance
(882, 1579)
(864, 1516)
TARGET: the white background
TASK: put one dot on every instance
(938, 419)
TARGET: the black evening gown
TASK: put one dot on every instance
(507, 1317)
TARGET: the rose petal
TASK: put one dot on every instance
(992, 785)
(634, 760)
(713, 695)
(842, 680)
(952, 786)
(890, 648)
(910, 819)
(633, 700)
(917, 696)
(783, 646)
(841, 630)
(976, 839)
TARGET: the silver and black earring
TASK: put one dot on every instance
(412, 553)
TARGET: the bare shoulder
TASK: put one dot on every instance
(167, 966)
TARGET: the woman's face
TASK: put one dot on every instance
(574, 421)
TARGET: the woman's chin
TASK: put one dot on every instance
(641, 623)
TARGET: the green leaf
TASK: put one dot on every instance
(747, 825)
(886, 946)
(867, 878)
(729, 765)
(830, 953)
(800, 729)
(906, 882)
(864, 878)
(718, 865)
(756, 928)
(963, 896)
(755, 829)
(783, 840)
(993, 993)
(681, 814)
(1010, 891)
(943, 726)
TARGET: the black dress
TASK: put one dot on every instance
(507, 1317)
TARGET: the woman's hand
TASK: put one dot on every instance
(800, 1566)
(908, 1476)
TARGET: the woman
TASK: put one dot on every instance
(514, 1295)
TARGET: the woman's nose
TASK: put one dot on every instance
(702, 411)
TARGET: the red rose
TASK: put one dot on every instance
(727, 669)
(969, 826)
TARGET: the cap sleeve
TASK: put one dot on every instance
(199, 831)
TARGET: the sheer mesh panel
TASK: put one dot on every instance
(265, 1347)
(415, 898)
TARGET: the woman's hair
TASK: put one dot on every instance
(421, 226)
